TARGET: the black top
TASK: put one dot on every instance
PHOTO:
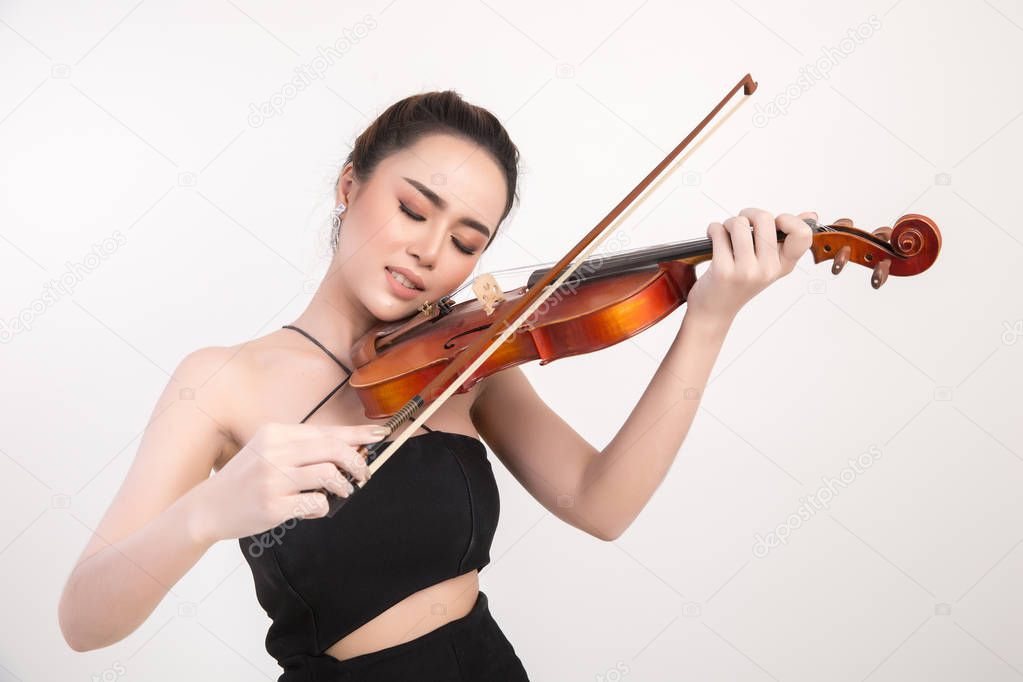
(427, 515)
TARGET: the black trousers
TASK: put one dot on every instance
(471, 648)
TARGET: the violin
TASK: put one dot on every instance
(405, 370)
(611, 300)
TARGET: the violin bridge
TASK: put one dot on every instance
(488, 292)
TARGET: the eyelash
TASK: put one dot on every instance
(419, 218)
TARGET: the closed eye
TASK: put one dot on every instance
(410, 214)
(415, 216)
(458, 245)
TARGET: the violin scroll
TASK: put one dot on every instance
(907, 248)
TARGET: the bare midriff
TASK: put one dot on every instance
(414, 616)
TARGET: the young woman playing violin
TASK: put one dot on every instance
(388, 587)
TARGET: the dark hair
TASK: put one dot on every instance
(406, 121)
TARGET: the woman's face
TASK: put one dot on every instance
(427, 211)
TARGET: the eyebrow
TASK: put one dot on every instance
(439, 202)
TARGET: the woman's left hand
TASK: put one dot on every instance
(746, 261)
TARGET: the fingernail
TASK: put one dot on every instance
(380, 431)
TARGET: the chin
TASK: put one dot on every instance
(386, 309)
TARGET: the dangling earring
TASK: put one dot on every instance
(336, 215)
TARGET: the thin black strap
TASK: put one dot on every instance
(328, 397)
(339, 386)
(332, 357)
(322, 347)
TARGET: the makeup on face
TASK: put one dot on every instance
(463, 245)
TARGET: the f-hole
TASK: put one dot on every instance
(450, 343)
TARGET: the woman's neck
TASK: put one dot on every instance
(336, 321)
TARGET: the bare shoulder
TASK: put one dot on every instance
(191, 428)
(265, 357)
(226, 381)
(226, 369)
(208, 377)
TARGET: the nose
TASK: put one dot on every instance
(426, 247)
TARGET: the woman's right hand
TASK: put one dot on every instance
(262, 485)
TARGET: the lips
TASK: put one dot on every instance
(410, 276)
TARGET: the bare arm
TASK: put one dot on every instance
(617, 485)
(603, 492)
(600, 492)
(151, 534)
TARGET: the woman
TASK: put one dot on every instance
(388, 587)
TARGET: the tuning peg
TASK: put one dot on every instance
(884, 233)
(841, 258)
(843, 222)
(880, 273)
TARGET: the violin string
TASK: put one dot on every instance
(625, 258)
(649, 184)
(506, 272)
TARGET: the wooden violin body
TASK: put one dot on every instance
(594, 315)
(615, 298)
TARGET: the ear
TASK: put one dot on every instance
(345, 184)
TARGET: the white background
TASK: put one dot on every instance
(132, 118)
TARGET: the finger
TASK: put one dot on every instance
(325, 442)
(306, 505)
(320, 476)
(358, 434)
(334, 453)
(722, 259)
(798, 237)
(766, 238)
(353, 434)
(741, 236)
